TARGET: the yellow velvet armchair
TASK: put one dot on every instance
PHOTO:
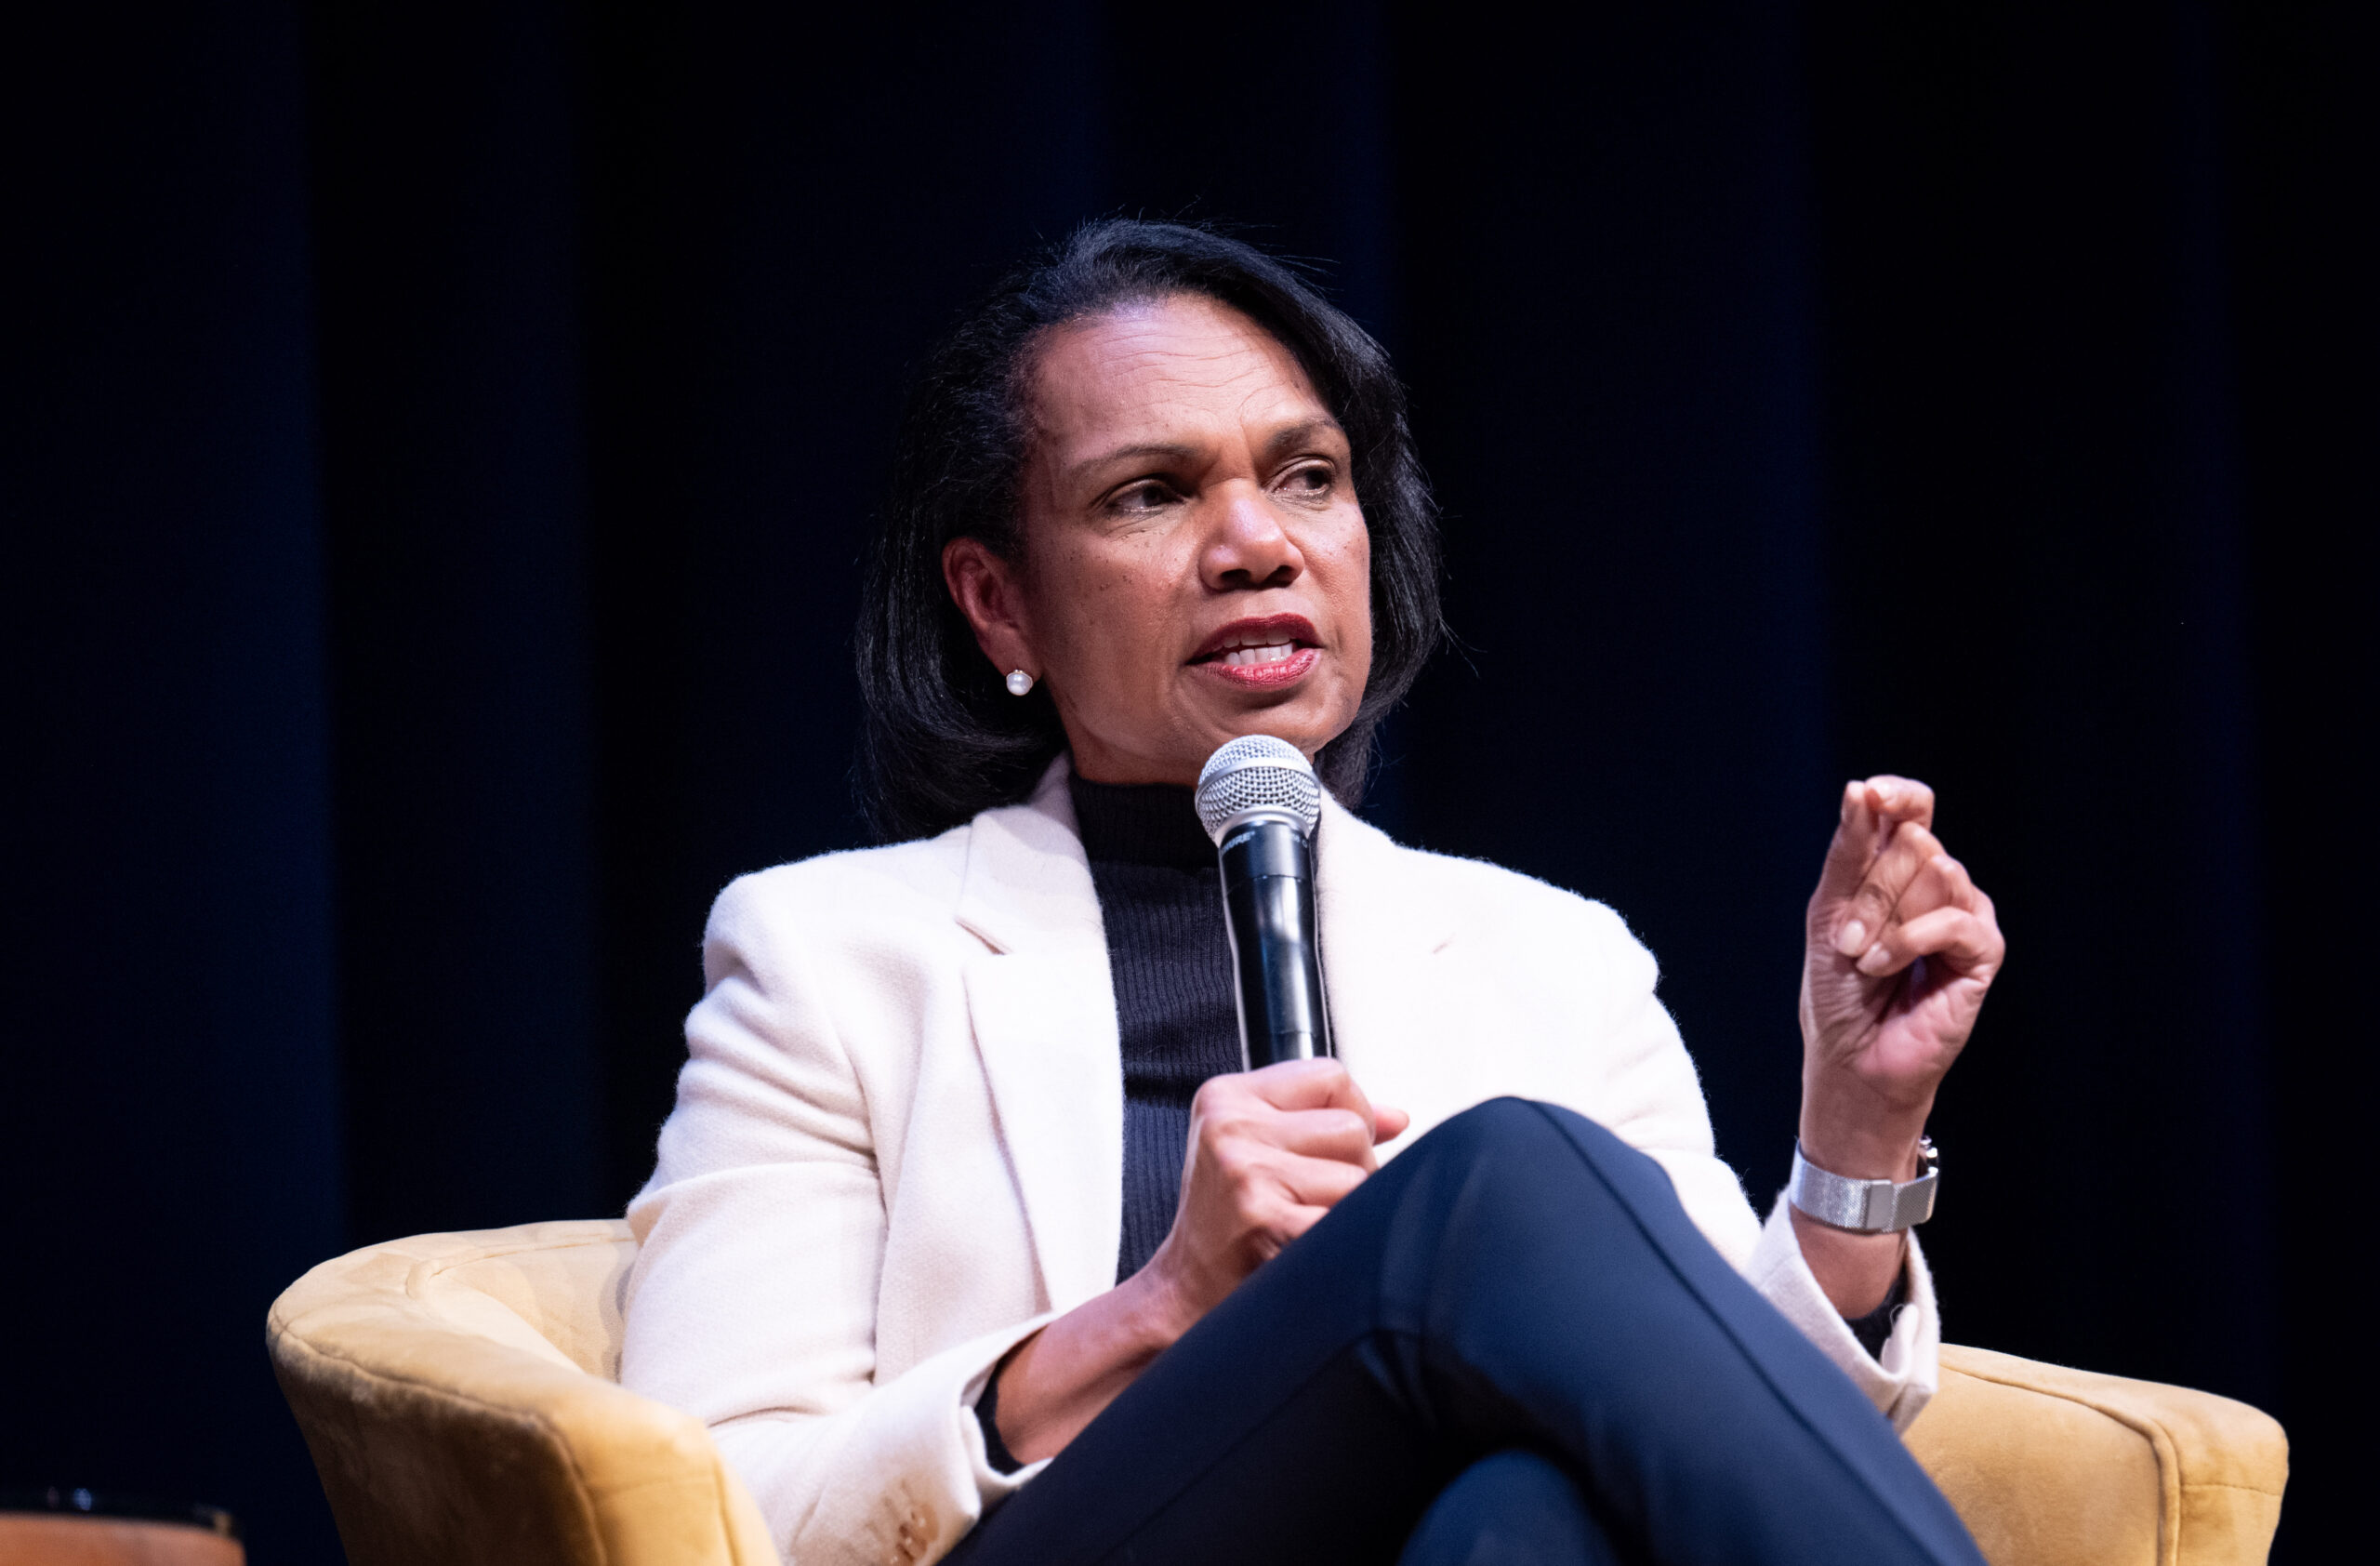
(460, 1394)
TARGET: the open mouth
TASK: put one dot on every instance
(1276, 650)
(1252, 644)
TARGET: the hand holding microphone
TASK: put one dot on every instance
(1271, 1151)
(1275, 1147)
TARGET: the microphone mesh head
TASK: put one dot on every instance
(1257, 772)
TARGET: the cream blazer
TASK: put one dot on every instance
(898, 1142)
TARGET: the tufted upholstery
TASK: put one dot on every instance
(457, 1391)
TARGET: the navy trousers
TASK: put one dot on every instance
(1510, 1345)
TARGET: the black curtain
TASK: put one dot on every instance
(440, 441)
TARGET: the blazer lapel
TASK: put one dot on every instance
(1382, 937)
(1043, 1007)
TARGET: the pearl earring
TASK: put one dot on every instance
(1019, 682)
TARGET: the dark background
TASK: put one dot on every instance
(438, 441)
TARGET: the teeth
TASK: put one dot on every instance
(1242, 657)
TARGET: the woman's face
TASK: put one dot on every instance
(1194, 565)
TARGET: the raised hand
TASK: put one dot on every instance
(1901, 947)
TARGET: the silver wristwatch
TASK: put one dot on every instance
(1866, 1206)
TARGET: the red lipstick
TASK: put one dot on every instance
(1262, 653)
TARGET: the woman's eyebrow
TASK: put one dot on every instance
(1300, 432)
(1172, 451)
(1138, 452)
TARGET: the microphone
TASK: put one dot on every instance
(1258, 798)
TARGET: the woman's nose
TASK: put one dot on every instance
(1250, 548)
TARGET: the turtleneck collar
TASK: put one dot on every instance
(1140, 824)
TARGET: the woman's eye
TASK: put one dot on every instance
(1314, 479)
(1142, 498)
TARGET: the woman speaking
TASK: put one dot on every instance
(972, 1235)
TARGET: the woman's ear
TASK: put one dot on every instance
(986, 591)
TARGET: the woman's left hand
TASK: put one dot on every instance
(1902, 946)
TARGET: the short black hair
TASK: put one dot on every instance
(942, 738)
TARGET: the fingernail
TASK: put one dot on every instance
(1877, 960)
(1850, 938)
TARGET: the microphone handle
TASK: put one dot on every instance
(1275, 955)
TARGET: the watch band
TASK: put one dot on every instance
(1866, 1206)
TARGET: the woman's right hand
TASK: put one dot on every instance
(1271, 1151)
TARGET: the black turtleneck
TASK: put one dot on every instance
(1161, 900)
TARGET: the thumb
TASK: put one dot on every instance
(1388, 1124)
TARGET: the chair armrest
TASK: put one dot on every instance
(2051, 1467)
(437, 1443)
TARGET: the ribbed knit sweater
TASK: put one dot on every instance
(1160, 901)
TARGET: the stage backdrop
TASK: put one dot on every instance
(439, 442)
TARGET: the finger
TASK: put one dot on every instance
(1968, 942)
(1291, 1223)
(1900, 799)
(1388, 1124)
(1872, 809)
(1309, 1084)
(1870, 910)
(1323, 1133)
(1318, 1182)
(1942, 882)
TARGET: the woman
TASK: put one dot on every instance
(969, 1232)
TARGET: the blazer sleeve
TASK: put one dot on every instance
(1647, 1093)
(752, 1301)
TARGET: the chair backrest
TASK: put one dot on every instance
(458, 1393)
